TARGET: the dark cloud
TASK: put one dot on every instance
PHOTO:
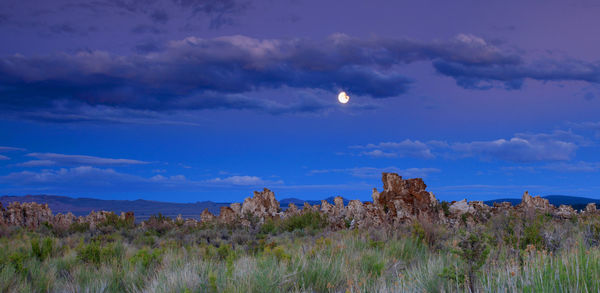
(221, 73)
(589, 96)
(159, 16)
(146, 29)
(482, 76)
(225, 72)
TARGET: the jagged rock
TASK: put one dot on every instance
(190, 223)
(228, 216)
(206, 216)
(590, 208)
(128, 217)
(405, 200)
(565, 212)
(262, 204)
(64, 220)
(292, 209)
(237, 208)
(458, 208)
(535, 203)
(339, 204)
(94, 218)
(28, 214)
(326, 208)
(355, 211)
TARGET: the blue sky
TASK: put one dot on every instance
(211, 99)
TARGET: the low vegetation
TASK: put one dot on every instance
(300, 254)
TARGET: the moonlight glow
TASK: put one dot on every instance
(343, 97)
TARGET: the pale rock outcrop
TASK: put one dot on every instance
(458, 208)
(536, 203)
(206, 216)
(263, 204)
(237, 208)
(590, 208)
(228, 216)
(27, 214)
(292, 210)
(565, 212)
(64, 220)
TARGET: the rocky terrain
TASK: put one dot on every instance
(401, 201)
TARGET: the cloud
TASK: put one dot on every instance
(562, 167)
(226, 72)
(372, 172)
(92, 178)
(522, 148)
(405, 148)
(49, 159)
(2, 158)
(512, 76)
(223, 73)
(243, 181)
(6, 149)
(559, 145)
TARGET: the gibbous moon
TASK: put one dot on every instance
(343, 97)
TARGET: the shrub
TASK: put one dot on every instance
(42, 249)
(147, 258)
(96, 254)
(309, 220)
(473, 251)
(79, 227)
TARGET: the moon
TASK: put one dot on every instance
(343, 97)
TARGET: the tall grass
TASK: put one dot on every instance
(300, 255)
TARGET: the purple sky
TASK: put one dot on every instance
(190, 100)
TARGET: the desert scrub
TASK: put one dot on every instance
(310, 258)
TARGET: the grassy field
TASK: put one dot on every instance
(534, 253)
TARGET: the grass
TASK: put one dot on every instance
(302, 255)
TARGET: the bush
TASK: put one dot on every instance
(42, 249)
(309, 220)
(147, 258)
(96, 254)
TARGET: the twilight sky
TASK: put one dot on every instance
(192, 100)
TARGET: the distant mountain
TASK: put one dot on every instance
(284, 203)
(576, 202)
(142, 209)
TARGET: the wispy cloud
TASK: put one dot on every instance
(405, 148)
(51, 159)
(373, 172)
(521, 148)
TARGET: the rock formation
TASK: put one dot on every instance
(404, 200)
(401, 201)
(262, 205)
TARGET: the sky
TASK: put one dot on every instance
(193, 100)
